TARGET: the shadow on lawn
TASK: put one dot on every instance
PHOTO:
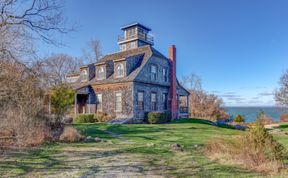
(202, 121)
(42, 161)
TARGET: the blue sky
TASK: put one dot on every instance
(238, 47)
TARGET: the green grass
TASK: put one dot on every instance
(144, 143)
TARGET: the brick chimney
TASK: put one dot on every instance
(173, 86)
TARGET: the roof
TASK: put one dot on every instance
(135, 24)
(141, 54)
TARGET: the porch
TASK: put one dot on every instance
(85, 101)
(183, 104)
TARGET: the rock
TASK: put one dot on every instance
(97, 139)
(176, 147)
(89, 139)
(150, 144)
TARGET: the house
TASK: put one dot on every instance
(131, 82)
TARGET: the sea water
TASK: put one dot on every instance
(250, 113)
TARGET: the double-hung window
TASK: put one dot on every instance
(153, 101)
(118, 102)
(99, 102)
(140, 101)
(165, 101)
(153, 72)
(165, 74)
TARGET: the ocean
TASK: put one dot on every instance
(250, 113)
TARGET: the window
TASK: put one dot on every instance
(165, 74)
(165, 101)
(153, 72)
(133, 45)
(140, 101)
(118, 102)
(84, 75)
(99, 102)
(120, 70)
(123, 47)
(100, 73)
(153, 101)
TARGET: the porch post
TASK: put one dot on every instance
(75, 103)
(188, 110)
(49, 105)
(89, 101)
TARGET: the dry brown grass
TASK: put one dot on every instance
(70, 134)
(256, 150)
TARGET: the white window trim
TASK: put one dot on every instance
(118, 109)
(103, 73)
(84, 75)
(116, 71)
(156, 71)
(99, 94)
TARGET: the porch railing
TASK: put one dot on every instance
(183, 109)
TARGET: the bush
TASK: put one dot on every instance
(158, 117)
(255, 150)
(263, 119)
(84, 118)
(70, 134)
(102, 117)
(239, 118)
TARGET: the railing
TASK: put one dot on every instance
(183, 109)
(142, 36)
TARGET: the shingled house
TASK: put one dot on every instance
(131, 82)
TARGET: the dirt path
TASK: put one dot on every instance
(96, 160)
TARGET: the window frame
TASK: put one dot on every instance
(140, 104)
(153, 76)
(165, 74)
(116, 70)
(102, 76)
(84, 75)
(165, 101)
(153, 103)
(117, 102)
(99, 103)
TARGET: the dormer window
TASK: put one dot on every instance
(100, 73)
(153, 72)
(84, 75)
(119, 70)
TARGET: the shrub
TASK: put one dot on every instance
(239, 118)
(84, 118)
(62, 97)
(102, 117)
(70, 134)
(255, 150)
(263, 119)
(158, 117)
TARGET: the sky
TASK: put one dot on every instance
(239, 48)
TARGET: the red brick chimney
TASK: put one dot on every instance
(173, 86)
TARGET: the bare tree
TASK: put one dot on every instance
(94, 51)
(21, 105)
(53, 69)
(202, 104)
(193, 82)
(23, 22)
(281, 95)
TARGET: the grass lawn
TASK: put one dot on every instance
(139, 150)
